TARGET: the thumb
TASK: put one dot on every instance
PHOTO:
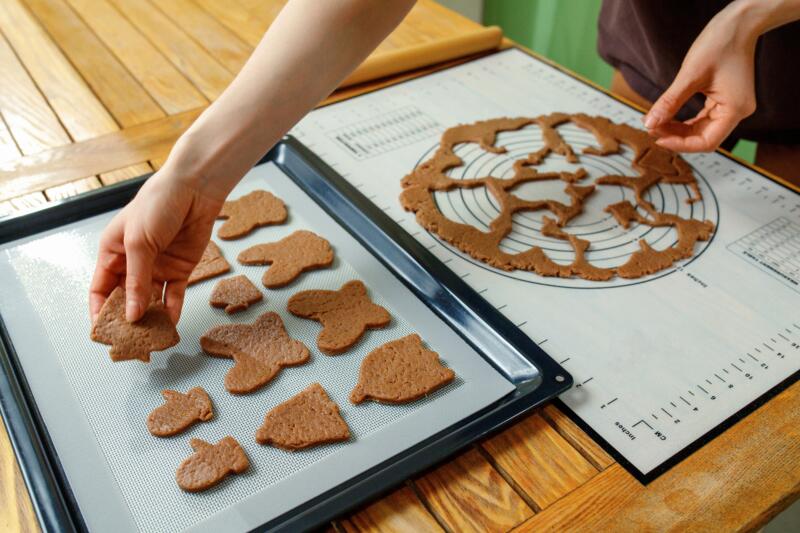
(669, 103)
(138, 277)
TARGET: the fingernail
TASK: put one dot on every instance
(651, 121)
(132, 311)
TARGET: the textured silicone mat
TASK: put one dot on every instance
(95, 410)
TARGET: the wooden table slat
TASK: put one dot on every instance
(122, 95)
(16, 511)
(400, 512)
(577, 437)
(539, 460)
(78, 109)
(207, 31)
(65, 190)
(192, 60)
(468, 494)
(168, 87)
(122, 174)
(236, 18)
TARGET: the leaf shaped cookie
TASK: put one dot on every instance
(301, 251)
(344, 314)
(210, 464)
(258, 208)
(400, 371)
(235, 294)
(259, 351)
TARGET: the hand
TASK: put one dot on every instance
(157, 238)
(720, 65)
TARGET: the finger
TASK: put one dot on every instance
(707, 136)
(110, 265)
(138, 276)
(174, 299)
(669, 103)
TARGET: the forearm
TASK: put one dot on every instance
(308, 50)
(757, 17)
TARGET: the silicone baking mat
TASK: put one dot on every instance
(122, 477)
(661, 362)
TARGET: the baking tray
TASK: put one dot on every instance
(535, 377)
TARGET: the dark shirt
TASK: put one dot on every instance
(647, 41)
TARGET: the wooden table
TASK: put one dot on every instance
(97, 91)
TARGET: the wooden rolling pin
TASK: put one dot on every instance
(422, 55)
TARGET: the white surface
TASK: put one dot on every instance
(95, 410)
(658, 362)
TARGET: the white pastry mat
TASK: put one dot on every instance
(122, 477)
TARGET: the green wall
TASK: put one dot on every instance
(566, 32)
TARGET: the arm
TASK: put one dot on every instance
(720, 64)
(161, 234)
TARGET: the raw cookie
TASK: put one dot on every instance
(211, 264)
(400, 371)
(259, 351)
(179, 412)
(258, 208)
(307, 419)
(210, 464)
(652, 164)
(133, 340)
(289, 257)
(344, 314)
(235, 294)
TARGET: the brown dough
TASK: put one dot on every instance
(210, 464)
(307, 419)
(653, 164)
(400, 371)
(289, 257)
(151, 333)
(235, 294)
(259, 351)
(179, 412)
(344, 314)
(258, 208)
(212, 264)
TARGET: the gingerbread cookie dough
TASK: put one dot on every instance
(235, 294)
(179, 412)
(212, 264)
(259, 351)
(253, 210)
(133, 340)
(289, 257)
(652, 163)
(400, 371)
(210, 464)
(344, 314)
(307, 419)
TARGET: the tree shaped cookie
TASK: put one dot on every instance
(211, 264)
(235, 294)
(289, 257)
(344, 314)
(258, 208)
(179, 412)
(210, 464)
(259, 351)
(307, 419)
(400, 371)
(133, 340)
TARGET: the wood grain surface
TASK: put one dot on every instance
(93, 92)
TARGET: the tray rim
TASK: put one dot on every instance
(52, 498)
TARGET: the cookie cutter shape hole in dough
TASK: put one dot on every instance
(652, 165)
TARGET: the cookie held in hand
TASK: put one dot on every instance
(309, 418)
(133, 340)
(400, 371)
(253, 210)
(344, 314)
(179, 412)
(235, 294)
(212, 264)
(289, 257)
(259, 351)
(210, 464)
